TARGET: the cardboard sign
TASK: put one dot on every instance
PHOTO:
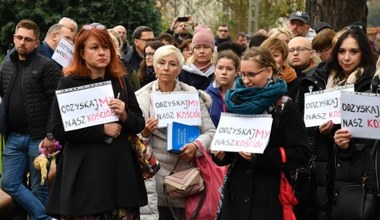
(183, 107)
(248, 133)
(322, 106)
(64, 52)
(361, 114)
(86, 106)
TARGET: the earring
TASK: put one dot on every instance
(269, 80)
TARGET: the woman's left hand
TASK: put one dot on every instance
(118, 107)
(188, 152)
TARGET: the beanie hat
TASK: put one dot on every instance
(203, 36)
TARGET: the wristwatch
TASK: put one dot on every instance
(50, 136)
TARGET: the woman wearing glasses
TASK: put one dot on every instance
(146, 72)
(98, 175)
(252, 186)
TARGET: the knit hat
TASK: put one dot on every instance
(203, 36)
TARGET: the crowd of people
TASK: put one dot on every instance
(98, 175)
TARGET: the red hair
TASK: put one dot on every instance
(78, 66)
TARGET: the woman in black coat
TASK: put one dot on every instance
(352, 63)
(252, 186)
(96, 179)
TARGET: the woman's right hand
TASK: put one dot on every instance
(326, 127)
(151, 124)
(112, 129)
(342, 138)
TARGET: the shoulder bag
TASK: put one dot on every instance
(354, 202)
(148, 163)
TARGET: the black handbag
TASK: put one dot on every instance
(354, 202)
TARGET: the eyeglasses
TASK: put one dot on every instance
(250, 75)
(299, 49)
(223, 31)
(98, 26)
(27, 39)
(147, 40)
(146, 54)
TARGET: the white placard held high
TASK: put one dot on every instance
(361, 114)
(64, 52)
(249, 133)
(86, 106)
(322, 106)
(182, 107)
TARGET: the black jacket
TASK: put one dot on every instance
(327, 164)
(93, 176)
(40, 79)
(252, 187)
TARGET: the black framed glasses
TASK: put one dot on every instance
(225, 31)
(250, 75)
(26, 39)
(299, 49)
(147, 40)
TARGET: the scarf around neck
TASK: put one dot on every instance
(252, 100)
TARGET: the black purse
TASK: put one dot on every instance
(354, 202)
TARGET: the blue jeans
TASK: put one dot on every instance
(18, 156)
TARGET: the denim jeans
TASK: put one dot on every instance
(18, 156)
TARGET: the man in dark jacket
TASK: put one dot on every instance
(140, 36)
(27, 85)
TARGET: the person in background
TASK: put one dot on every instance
(222, 34)
(257, 39)
(199, 72)
(27, 103)
(186, 49)
(168, 61)
(252, 185)
(166, 39)
(322, 43)
(70, 23)
(301, 56)
(279, 50)
(241, 39)
(299, 24)
(282, 33)
(124, 42)
(318, 27)
(352, 62)
(140, 36)
(52, 39)
(226, 69)
(110, 168)
(181, 29)
(146, 72)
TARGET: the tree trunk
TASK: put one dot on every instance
(338, 13)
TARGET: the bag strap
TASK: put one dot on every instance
(124, 90)
(196, 211)
(372, 152)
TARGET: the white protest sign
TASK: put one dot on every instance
(361, 114)
(86, 106)
(64, 52)
(322, 106)
(248, 133)
(182, 107)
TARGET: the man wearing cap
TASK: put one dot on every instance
(299, 24)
